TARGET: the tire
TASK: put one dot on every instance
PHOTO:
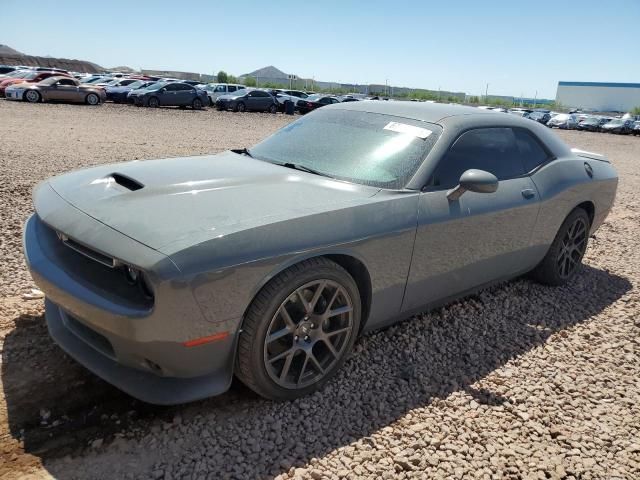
(273, 109)
(211, 102)
(564, 257)
(92, 99)
(32, 96)
(300, 345)
(153, 102)
(196, 104)
(241, 107)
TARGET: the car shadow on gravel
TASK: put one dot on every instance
(409, 365)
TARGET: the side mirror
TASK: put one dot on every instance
(474, 180)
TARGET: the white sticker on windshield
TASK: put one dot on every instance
(409, 129)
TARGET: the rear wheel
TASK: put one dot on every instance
(299, 330)
(273, 108)
(32, 96)
(92, 99)
(241, 107)
(154, 102)
(196, 104)
(564, 257)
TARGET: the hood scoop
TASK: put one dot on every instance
(126, 182)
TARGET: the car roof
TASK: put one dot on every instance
(426, 112)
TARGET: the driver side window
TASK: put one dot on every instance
(491, 149)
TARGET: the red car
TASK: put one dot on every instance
(33, 77)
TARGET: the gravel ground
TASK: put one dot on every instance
(519, 381)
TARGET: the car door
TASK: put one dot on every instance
(480, 237)
(167, 95)
(64, 90)
(184, 94)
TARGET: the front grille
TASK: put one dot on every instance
(88, 335)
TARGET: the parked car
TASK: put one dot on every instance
(119, 93)
(57, 89)
(248, 100)
(540, 117)
(618, 125)
(563, 120)
(349, 98)
(315, 101)
(214, 90)
(167, 277)
(169, 94)
(282, 98)
(4, 69)
(592, 124)
(33, 77)
(97, 79)
(636, 128)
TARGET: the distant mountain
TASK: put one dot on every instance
(266, 73)
(7, 50)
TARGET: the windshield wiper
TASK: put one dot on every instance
(303, 168)
(243, 151)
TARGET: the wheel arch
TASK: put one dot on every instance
(352, 263)
(589, 207)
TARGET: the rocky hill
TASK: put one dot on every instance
(10, 56)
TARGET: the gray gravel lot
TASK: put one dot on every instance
(519, 381)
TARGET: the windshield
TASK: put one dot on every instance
(562, 117)
(615, 122)
(136, 84)
(360, 147)
(315, 97)
(590, 121)
(156, 86)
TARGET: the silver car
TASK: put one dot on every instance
(168, 277)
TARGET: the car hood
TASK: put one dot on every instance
(171, 204)
(609, 126)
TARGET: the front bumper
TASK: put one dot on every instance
(139, 348)
(143, 385)
(11, 94)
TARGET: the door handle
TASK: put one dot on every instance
(528, 193)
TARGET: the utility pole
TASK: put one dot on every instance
(386, 87)
(486, 93)
(535, 98)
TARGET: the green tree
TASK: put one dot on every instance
(249, 81)
(636, 111)
(222, 76)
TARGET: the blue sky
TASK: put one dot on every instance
(516, 47)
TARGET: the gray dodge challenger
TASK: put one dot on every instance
(168, 277)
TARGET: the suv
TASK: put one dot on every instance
(214, 90)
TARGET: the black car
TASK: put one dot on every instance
(540, 117)
(591, 124)
(248, 100)
(314, 101)
(167, 94)
(636, 128)
(618, 125)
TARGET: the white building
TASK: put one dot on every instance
(603, 97)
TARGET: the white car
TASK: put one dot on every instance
(563, 120)
(214, 90)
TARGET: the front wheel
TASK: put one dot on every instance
(241, 107)
(565, 254)
(299, 330)
(32, 96)
(154, 102)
